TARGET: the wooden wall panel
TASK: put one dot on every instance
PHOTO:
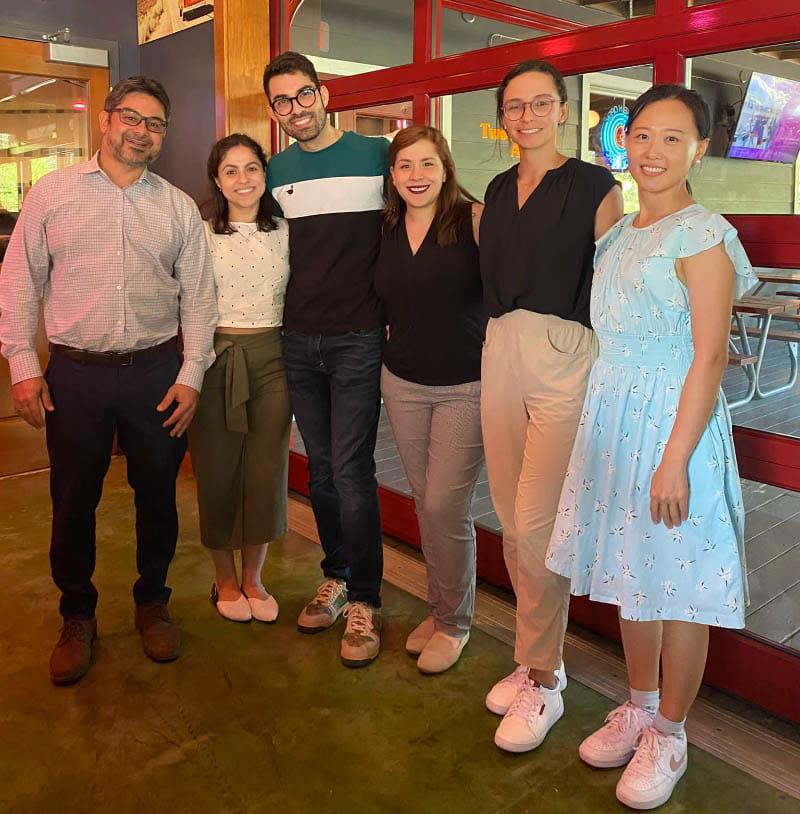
(241, 51)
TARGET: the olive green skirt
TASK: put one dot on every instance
(239, 442)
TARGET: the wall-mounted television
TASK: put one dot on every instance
(768, 128)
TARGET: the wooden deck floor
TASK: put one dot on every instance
(772, 532)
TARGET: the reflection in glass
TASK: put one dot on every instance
(43, 126)
(355, 31)
(462, 32)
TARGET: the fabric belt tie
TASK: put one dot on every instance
(237, 385)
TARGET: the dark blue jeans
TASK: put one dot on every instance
(334, 384)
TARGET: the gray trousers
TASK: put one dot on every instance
(438, 435)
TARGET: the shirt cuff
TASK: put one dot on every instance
(24, 365)
(191, 374)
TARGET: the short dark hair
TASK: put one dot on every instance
(138, 84)
(532, 66)
(289, 62)
(698, 106)
(217, 207)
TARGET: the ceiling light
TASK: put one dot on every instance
(38, 85)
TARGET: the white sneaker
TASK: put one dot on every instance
(502, 695)
(615, 743)
(659, 763)
(529, 718)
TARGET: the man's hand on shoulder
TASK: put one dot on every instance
(30, 395)
(185, 398)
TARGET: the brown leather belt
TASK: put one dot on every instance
(113, 358)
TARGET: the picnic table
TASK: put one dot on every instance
(762, 310)
(779, 276)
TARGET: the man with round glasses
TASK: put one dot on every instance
(120, 260)
(329, 185)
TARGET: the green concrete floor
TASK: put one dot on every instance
(257, 718)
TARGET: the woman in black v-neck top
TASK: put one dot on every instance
(537, 239)
(428, 281)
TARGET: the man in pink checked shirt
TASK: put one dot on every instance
(119, 258)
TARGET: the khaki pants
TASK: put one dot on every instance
(438, 435)
(534, 373)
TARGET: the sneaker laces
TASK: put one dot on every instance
(73, 629)
(359, 618)
(624, 717)
(518, 677)
(648, 749)
(327, 592)
(528, 701)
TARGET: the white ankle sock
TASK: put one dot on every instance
(667, 727)
(647, 700)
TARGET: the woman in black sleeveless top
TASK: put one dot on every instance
(428, 280)
(537, 246)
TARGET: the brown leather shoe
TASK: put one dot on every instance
(72, 654)
(161, 637)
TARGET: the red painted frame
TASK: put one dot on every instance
(674, 32)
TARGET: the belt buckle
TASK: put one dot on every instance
(125, 358)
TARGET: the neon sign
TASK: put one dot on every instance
(612, 138)
(489, 133)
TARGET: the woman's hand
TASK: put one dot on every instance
(669, 494)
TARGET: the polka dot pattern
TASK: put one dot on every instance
(251, 269)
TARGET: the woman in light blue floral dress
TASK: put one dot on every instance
(651, 516)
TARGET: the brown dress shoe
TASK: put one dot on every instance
(161, 637)
(72, 654)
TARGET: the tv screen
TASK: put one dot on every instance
(769, 122)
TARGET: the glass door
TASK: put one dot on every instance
(48, 120)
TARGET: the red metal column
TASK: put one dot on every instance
(421, 108)
(423, 30)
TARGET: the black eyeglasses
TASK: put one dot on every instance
(305, 98)
(132, 119)
(514, 109)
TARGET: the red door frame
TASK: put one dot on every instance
(740, 663)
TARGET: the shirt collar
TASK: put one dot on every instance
(93, 166)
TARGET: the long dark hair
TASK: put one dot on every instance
(217, 207)
(449, 216)
(698, 107)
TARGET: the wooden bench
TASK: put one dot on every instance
(780, 336)
(740, 360)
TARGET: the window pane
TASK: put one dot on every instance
(751, 166)
(358, 33)
(481, 148)
(43, 126)
(462, 32)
